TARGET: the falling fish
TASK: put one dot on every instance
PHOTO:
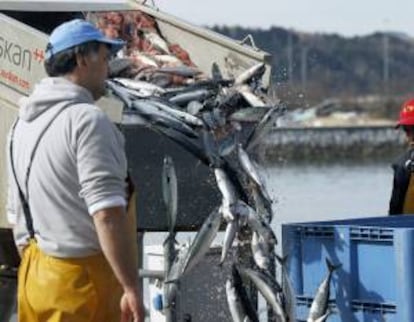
(250, 97)
(169, 192)
(203, 240)
(253, 72)
(257, 223)
(289, 304)
(268, 291)
(262, 128)
(319, 308)
(241, 308)
(225, 186)
(254, 176)
(229, 235)
(262, 251)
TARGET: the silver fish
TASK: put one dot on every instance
(239, 298)
(325, 316)
(203, 240)
(210, 147)
(177, 266)
(168, 59)
(157, 41)
(259, 225)
(196, 95)
(254, 176)
(229, 236)
(254, 71)
(194, 107)
(119, 92)
(261, 251)
(169, 191)
(234, 302)
(269, 292)
(319, 305)
(249, 167)
(186, 142)
(155, 115)
(262, 128)
(182, 116)
(250, 97)
(289, 294)
(262, 204)
(143, 59)
(183, 71)
(140, 85)
(225, 186)
(216, 72)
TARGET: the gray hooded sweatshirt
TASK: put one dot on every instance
(79, 168)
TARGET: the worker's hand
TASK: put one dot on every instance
(132, 308)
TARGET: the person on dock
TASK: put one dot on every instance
(402, 195)
(67, 194)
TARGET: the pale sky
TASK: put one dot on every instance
(346, 17)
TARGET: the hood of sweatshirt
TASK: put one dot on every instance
(49, 92)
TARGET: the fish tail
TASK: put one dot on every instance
(282, 259)
(331, 267)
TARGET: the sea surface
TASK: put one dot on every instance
(333, 190)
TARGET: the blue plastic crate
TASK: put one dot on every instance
(376, 280)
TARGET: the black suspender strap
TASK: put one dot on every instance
(25, 200)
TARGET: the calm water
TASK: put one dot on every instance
(322, 192)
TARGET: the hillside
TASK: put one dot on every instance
(329, 65)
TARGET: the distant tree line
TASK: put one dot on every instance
(310, 67)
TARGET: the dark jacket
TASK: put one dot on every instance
(402, 171)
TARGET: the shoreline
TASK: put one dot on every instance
(330, 143)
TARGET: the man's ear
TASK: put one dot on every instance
(81, 61)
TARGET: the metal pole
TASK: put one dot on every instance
(304, 68)
(386, 71)
(290, 57)
(170, 289)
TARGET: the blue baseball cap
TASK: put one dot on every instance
(76, 32)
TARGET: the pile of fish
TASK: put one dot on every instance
(162, 89)
(147, 55)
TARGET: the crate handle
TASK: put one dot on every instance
(249, 40)
(153, 5)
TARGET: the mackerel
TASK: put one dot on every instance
(140, 85)
(155, 115)
(262, 128)
(261, 251)
(203, 240)
(319, 307)
(289, 293)
(252, 72)
(195, 95)
(269, 291)
(230, 234)
(241, 308)
(180, 115)
(169, 192)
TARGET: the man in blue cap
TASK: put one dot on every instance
(67, 193)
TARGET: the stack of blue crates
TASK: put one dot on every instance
(376, 279)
